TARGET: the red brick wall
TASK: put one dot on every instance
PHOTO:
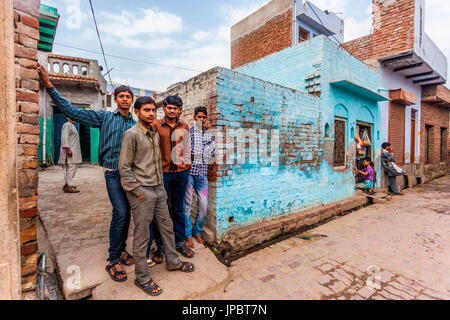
(26, 19)
(274, 36)
(361, 48)
(437, 117)
(393, 31)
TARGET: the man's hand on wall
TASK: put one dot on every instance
(44, 77)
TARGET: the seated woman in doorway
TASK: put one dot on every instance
(368, 174)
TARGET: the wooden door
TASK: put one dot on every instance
(397, 131)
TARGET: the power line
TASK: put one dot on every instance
(128, 59)
(342, 46)
(100, 40)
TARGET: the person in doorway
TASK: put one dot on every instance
(390, 168)
(70, 154)
(142, 178)
(176, 163)
(112, 126)
(368, 177)
(203, 149)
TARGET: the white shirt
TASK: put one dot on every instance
(70, 139)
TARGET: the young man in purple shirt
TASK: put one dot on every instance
(368, 174)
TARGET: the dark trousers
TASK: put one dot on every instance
(175, 185)
(120, 222)
(393, 183)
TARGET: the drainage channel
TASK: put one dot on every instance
(226, 257)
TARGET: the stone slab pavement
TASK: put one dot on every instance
(76, 228)
(399, 250)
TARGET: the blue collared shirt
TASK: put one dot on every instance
(112, 126)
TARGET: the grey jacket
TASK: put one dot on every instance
(140, 160)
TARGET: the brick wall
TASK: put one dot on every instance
(26, 19)
(393, 31)
(199, 91)
(438, 118)
(275, 35)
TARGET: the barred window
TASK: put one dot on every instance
(339, 142)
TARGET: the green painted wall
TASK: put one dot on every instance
(95, 140)
(50, 148)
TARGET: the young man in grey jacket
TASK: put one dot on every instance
(142, 178)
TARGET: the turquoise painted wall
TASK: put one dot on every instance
(50, 140)
(95, 141)
(304, 177)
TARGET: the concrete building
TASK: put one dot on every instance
(413, 70)
(294, 116)
(138, 92)
(278, 25)
(81, 82)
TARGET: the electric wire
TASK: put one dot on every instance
(128, 59)
(101, 44)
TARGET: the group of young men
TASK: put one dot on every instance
(152, 169)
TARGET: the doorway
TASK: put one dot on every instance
(413, 136)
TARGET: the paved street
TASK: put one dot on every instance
(403, 243)
(406, 239)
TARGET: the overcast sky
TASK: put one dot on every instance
(192, 34)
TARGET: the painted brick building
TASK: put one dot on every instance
(412, 67)
(285, 128)
(81, 82)
(278, 25)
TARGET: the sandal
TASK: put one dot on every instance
(185, 251)
(158, 256)
(149, 287)
(185, 267)
(125, 258)
(114, 276)
(150, 262)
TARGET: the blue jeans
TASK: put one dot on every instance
(120, 222)
(200, 185)
(175, 185)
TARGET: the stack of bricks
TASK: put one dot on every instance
(273, 36)
(393, 31)
(26, 22)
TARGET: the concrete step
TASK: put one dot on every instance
(83, 274)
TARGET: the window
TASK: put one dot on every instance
(108, 100)
(303, 34)
(339, 142)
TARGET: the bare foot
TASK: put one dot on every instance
(189, 243)
(199, 239)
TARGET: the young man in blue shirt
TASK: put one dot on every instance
(112, 126)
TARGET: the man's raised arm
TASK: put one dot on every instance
(89, 118)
